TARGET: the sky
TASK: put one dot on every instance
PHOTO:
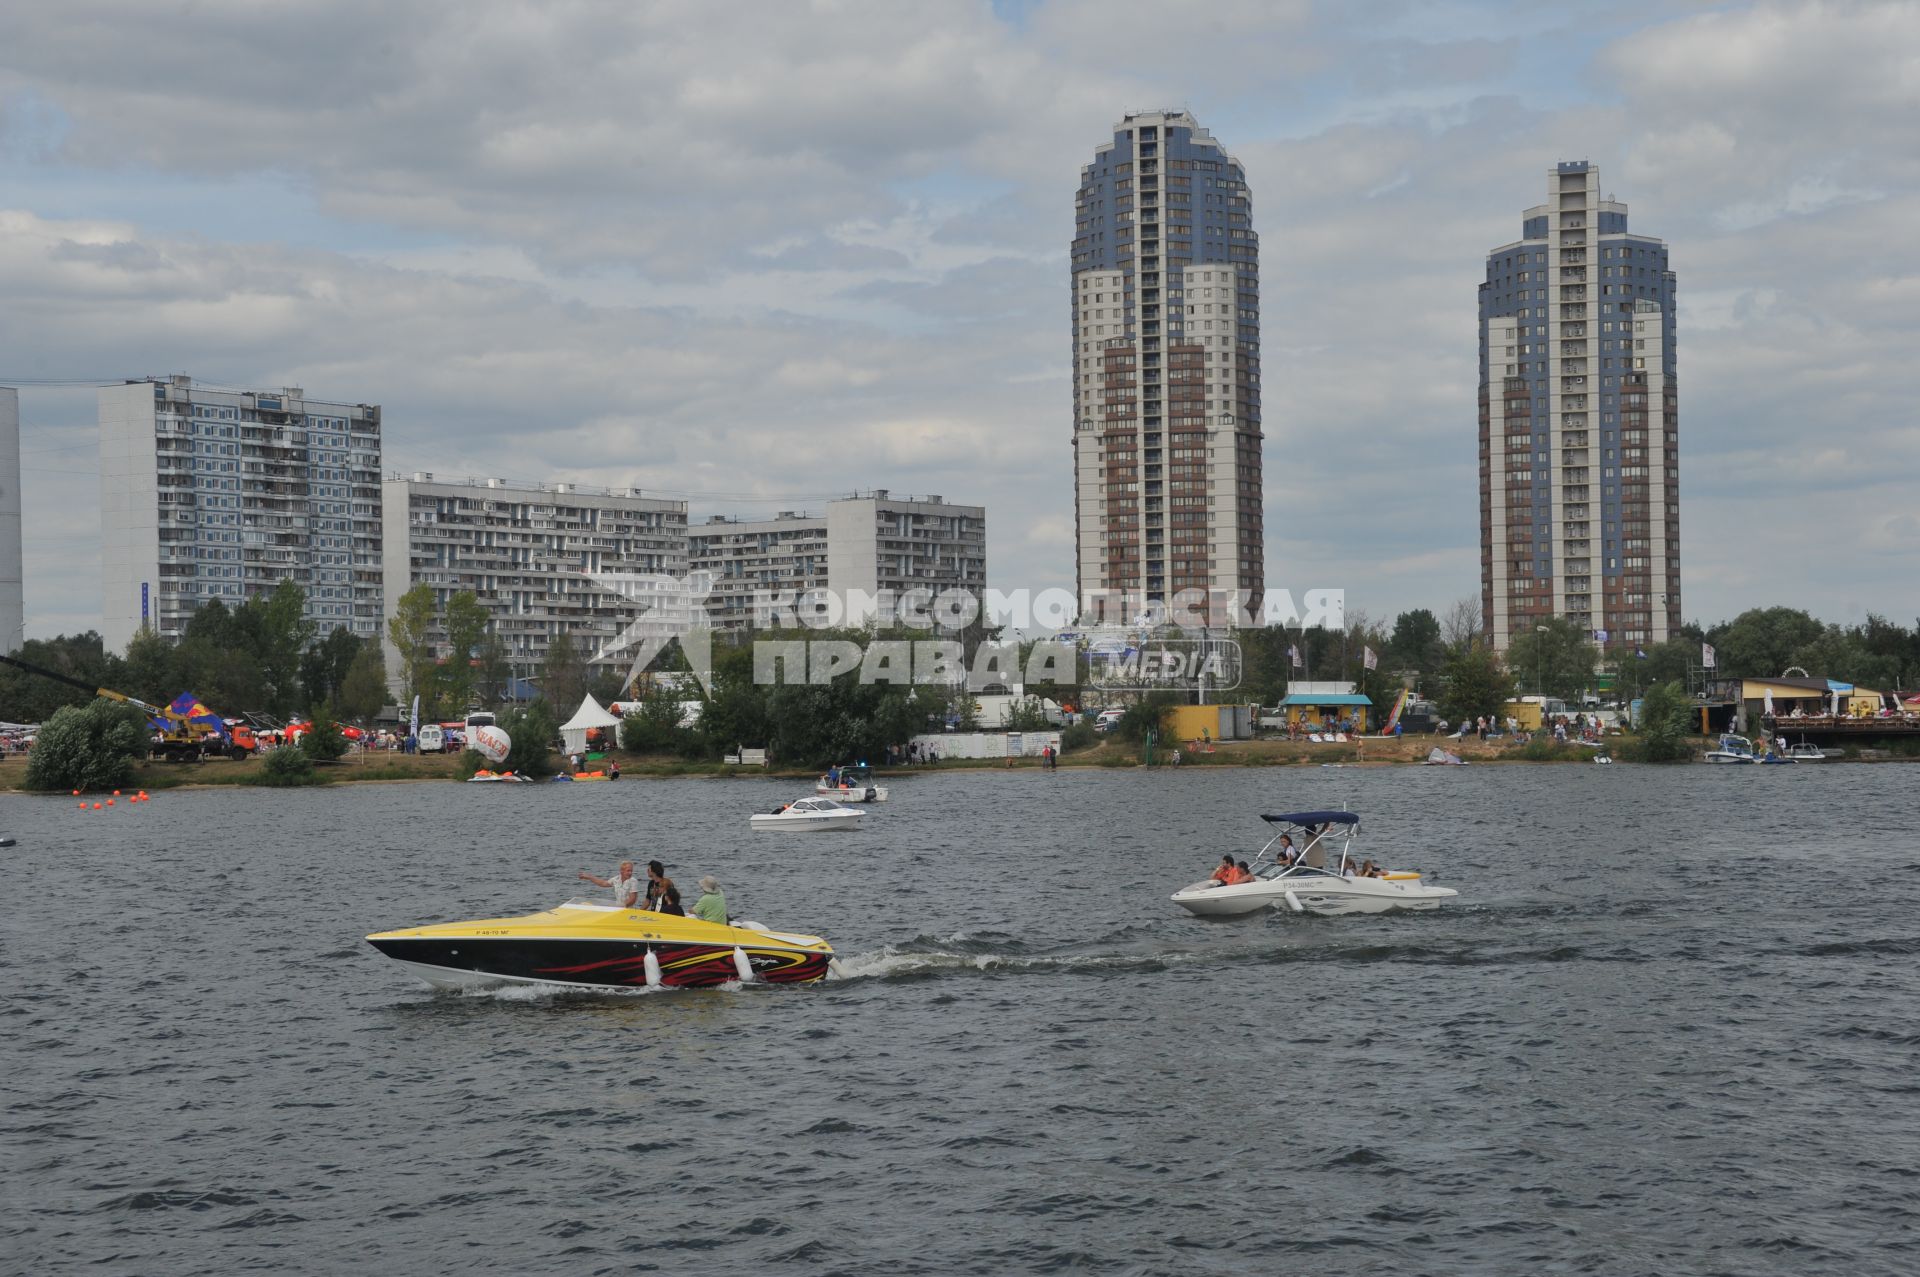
(762, 254)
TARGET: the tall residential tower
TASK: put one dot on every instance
(1579, 423)
(1166, 367)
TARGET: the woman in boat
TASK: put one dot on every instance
(662, 895)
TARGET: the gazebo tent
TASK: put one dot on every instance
(589, 716)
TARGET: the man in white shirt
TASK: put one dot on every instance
(625, 887)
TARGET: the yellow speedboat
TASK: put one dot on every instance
(583, 944)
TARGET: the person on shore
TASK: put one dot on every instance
(613, 770)
(625, 887)
(712, 904)
(662, 895)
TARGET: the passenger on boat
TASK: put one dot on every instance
(662, 895)
(712, 904)
(1283, 852)
(625, 887)
(1224, 871)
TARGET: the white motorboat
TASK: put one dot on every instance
(1733, 749)
(805, 815)
(1805, 751)
(851, 785)
(1322, 878)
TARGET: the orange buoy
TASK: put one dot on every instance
(83, 806)
(109, 802)
(116, 793)
(76, 793)
(96, 806)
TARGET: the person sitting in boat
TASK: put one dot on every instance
(625, 887)
(1283, 852)
(662, 895)
(1224, 871)
(712, 904)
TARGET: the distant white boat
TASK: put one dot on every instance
(808, 815)
(1437, 757)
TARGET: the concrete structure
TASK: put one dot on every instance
(222, 494)
(530, 553)
(1579, 423)
(864, 546)
(13, 609)
(1166, 367)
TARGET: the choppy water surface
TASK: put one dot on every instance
(1669, 1026)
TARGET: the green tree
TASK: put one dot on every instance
(1760, 642)
(466, 625)
(1416, 645)
(492, 671)
(324, 666)
(532, 731)
(1477, 684)
(1148, 714)
(87, 747)
(564, 676)
(277, 625)
(1665, 715)
(1553, 658)
(29, 698)
(411, 632)
(153, 668)
(654, 727)
(363, 691)
(1027, 714)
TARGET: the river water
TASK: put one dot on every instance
(1669, 1026)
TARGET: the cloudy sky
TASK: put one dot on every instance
(762, 254)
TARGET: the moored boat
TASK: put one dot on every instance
(583, 944)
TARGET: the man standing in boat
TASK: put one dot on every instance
(625, 887)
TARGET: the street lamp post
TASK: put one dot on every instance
(1540, 668)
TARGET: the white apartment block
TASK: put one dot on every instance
(864, 547)
(223, 494)
(545, 559)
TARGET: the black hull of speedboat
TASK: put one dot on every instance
(457, 961)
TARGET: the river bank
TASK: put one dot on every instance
(363, 769)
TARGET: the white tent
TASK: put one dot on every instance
(574, 731)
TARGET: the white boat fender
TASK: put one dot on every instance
(652, 964)
(1293, 903)
(741, 965)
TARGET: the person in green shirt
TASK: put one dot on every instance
(712, 904)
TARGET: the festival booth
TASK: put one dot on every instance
(1325, 707)
(590, 717)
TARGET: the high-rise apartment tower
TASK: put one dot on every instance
(1579, 423)
(1166, 367)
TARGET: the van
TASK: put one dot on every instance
(431, 741)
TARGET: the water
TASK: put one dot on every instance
(1668, 1027)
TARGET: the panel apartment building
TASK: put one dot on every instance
(544, 558)
(867, 543)
(1579, 422)
(1166, 366)
(209, 493)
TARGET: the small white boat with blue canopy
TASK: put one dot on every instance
(1313, 871)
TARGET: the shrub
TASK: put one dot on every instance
(473, 760)
(1078, 736)
(532, 731)
(322, 741)
(1148, 715)
(287, 767)
(90, 746)
(1664, 716)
